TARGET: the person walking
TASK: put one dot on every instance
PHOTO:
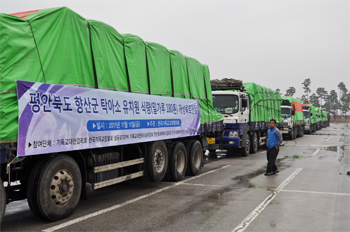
(274, 140)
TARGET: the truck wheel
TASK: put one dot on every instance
(298, 131)
(301, 131)
(177, 164)
(157, 161)
(195, 157)
(254, 143)
(33, 187)
(245, 150)
(57, 188)
(2, 200)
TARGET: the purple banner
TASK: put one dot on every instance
(57, 118)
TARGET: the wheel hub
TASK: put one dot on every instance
(62, 186)
(159, 160)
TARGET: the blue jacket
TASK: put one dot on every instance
(274, 137)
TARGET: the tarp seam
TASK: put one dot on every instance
(92, 56)
(126, 66)
(148, 78)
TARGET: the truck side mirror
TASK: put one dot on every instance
(310, 114)
(293, 112)
(244, 103)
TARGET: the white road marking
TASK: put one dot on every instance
(327, 193)
(320, 145)
(222, 186)
(329, 138)
(255, 213)
(316, 151)
(83, 218)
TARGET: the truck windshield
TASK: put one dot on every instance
(285, 112)
(226, 104)
(306, 114)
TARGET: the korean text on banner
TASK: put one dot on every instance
(57, 118)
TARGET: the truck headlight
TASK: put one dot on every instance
(233, 134)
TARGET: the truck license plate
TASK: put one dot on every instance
(211, 140)
(285, 129)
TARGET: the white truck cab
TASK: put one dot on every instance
(288, 115)
(233, 105)
(307, 115)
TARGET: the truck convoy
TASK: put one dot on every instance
(294, 120)
(81, 103)
(310, 117)
(247, 109)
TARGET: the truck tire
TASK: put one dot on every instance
(2, 201)
(57, 188)
(177, 165)
(254, 143)
(195, 157)
(302, 131)
(298, 131)
(245, 150)
(157, 161)
(32, 187)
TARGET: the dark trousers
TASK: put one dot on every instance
(271, 155)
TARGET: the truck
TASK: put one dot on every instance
(247, 109)
(82, 105)
(325, 118)
(310, 117)
(319, 116)
(294, 120)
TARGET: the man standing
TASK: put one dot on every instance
(274, 140)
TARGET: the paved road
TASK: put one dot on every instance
(311, 193)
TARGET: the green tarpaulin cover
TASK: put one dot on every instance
(265, 103)
(325, 116)
(108, 51)
(58, 46)
(312, 109)
(298, 109)
(180, 77)
(313, 116)
(320, 114)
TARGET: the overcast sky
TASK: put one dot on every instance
(277, 44)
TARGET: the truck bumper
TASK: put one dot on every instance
(227, 143)
(285, 130)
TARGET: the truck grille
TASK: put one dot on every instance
(285, 124)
